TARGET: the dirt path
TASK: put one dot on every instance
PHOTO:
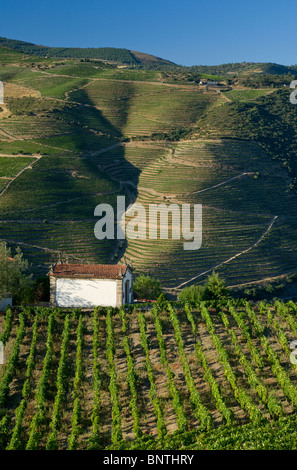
(231, 258)
(43, 248)
(7, 134)
(106, 149)
(223, 183)
(266, 279)
(37, 157)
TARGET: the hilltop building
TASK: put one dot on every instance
(90, 285)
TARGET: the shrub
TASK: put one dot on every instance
(191, 294)
(213, 289)
(162, 299)
(13, 275)
(146, 287)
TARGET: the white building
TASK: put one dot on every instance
(90, 285)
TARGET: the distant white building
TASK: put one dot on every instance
(208, 82)
(90, 285)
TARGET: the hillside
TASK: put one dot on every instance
(136, 59)
(246, 68)
(80, 133)
(107, 54)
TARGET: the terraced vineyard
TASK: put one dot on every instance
(234, 182)
(243, 95)
(74, 134)
(141, 108)
(148, 378)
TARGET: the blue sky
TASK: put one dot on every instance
(187, 32)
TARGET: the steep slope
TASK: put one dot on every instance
(109, 54)
(74, 136)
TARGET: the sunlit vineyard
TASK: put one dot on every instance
(179, 376)
(82, 133)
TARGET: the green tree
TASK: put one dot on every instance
(146, 287)
(13, 274)
(215, 288)
(191, 294)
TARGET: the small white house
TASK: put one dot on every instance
(90, 285)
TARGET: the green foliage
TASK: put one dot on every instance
(13, 277)
(131, 377)
(191, 294)
(241, 396)
(230, 329)
(13, 362)
(201, 412)
(95, 438)
(173, 390)
(277, 435)
(213, 289)
(161, 427)
(29, 106)
(103, 53)
(10, 166)
(7, 327)
(76, 418)
(4, 431)
(235, 69)
(245, 95)
(267, 80)
(42, 389)
(270, 120)
(162, 298)
(147, 288)
(61, 383)
(113, 384)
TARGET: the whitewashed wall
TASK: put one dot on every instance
(85, 292)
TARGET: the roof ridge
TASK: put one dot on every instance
(108, 271)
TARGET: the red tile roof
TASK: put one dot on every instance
(102, 271)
